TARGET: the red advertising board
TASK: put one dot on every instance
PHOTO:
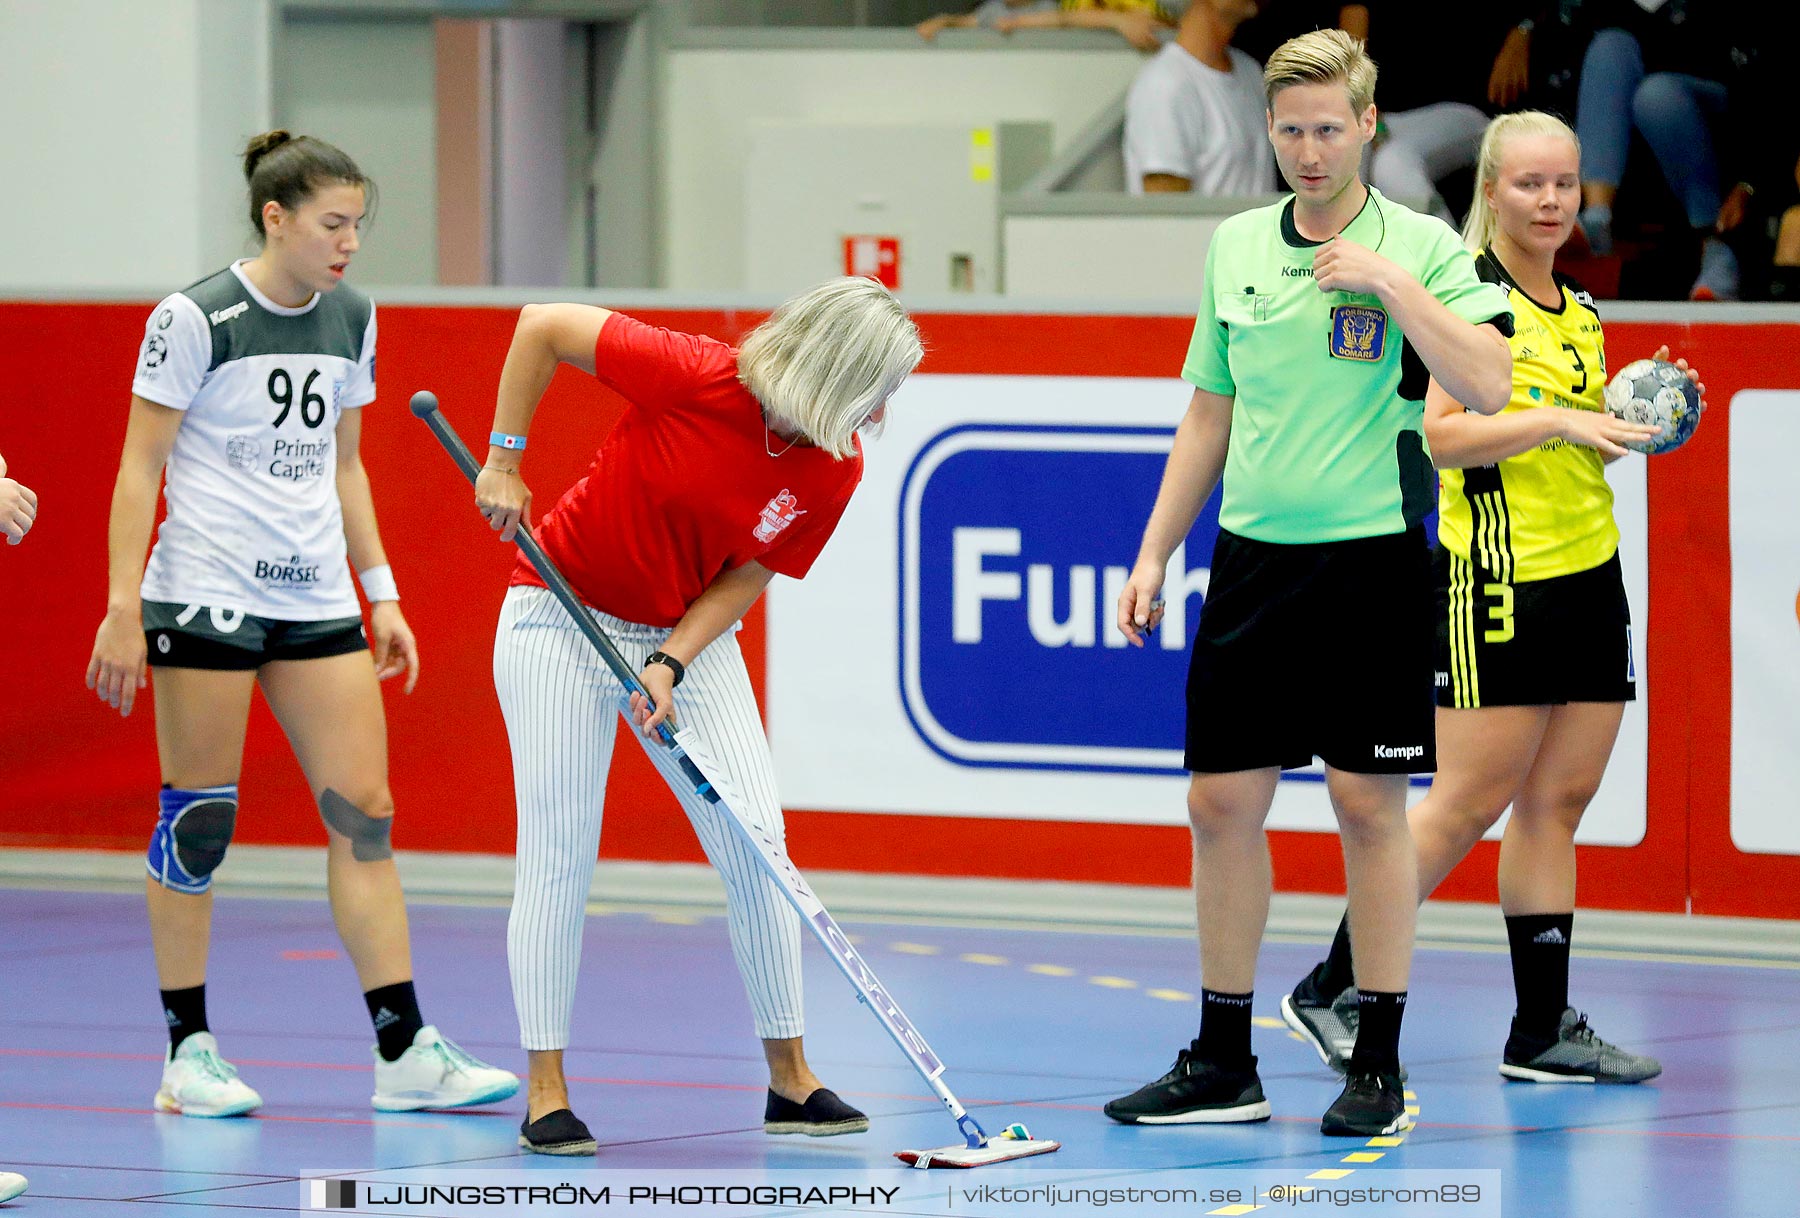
(88, 779)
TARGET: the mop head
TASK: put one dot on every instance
(1013, 1142)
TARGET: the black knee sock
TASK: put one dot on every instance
(1540, 964)
(1339, 973)
(186, 1012)
(1378, 1032)
(1225, 1029)
(394, 1009)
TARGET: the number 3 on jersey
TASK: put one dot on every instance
(281, 393)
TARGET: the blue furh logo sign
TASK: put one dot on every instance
(1015, 542)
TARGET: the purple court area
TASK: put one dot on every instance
(1038, 1026)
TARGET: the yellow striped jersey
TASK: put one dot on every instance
(1548, 511)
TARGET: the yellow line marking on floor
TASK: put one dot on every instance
(1236, 1209)
(1332, 1173)
(1412, 1110)
(1171, 995)
(915, 949)
(1386, 1141)
(1362, 1156)
(1295, 1036)
(1051, 970)
(1266, 1021)
(1113, 983)
(669, 919)
(1411, 1095)
(981, 958)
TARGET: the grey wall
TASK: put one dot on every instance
(531, 140)
(368, 86)
(619, 182)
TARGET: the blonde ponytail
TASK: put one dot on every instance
(1482, 225)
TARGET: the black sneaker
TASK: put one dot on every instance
(557, 1133)
(1574, 1055)
(1194, 1092)
(1327, 1022)
(823, 1115)
(1370, 1106)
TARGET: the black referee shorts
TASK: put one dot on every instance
(1543, 642)
(1320, 650)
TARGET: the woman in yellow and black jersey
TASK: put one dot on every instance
(1544, 512)
(1534, 632)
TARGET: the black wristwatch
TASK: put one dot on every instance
(675, 666)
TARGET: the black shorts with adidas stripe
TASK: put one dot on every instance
(1539, 642)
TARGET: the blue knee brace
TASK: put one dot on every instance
(192, 830)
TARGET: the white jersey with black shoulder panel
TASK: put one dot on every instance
(253, 519)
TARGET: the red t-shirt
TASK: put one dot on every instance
(683, 489)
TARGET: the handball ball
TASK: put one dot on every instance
(1655, 391)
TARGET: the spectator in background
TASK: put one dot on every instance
(1760, 155)
(1145, 24)
(1437, 85)
(981, 16)
(1196, 118)
(1276, 21)
(1659, 66)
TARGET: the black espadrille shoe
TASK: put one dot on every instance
(557, 1133)
(823, 1115)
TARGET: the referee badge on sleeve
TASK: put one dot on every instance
(1358, 332)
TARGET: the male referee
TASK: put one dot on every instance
(1322, 318)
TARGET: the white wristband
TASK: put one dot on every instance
(378, 584)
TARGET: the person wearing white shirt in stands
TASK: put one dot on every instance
(1196, 119)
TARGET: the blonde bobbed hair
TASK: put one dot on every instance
(826, 359)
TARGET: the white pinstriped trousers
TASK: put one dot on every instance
(562, 708)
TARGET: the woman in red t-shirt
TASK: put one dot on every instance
(731, 466)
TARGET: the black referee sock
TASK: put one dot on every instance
(185, 1011)
(1540, 964)
(1225, 1029)
(1378, 1032)
(394, 1009)
(1340, 972)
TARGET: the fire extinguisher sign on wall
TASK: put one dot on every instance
(876, 258)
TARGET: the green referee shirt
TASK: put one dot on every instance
(1327, 426)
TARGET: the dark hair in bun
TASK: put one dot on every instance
(289, 168)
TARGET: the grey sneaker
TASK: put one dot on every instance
(1577, 1055)
(1327, 1024)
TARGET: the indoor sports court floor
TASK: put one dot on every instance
(1037, 1025)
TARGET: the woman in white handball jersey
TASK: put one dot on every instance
(248, 400)
(18, 511)
(729, 467)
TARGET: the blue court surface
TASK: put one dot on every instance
(1037, 1026)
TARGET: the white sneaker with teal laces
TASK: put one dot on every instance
(196, 1081)
(434, 1073)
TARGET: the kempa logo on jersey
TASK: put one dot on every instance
(286, 573)
(221, 316)
(1016, 542)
